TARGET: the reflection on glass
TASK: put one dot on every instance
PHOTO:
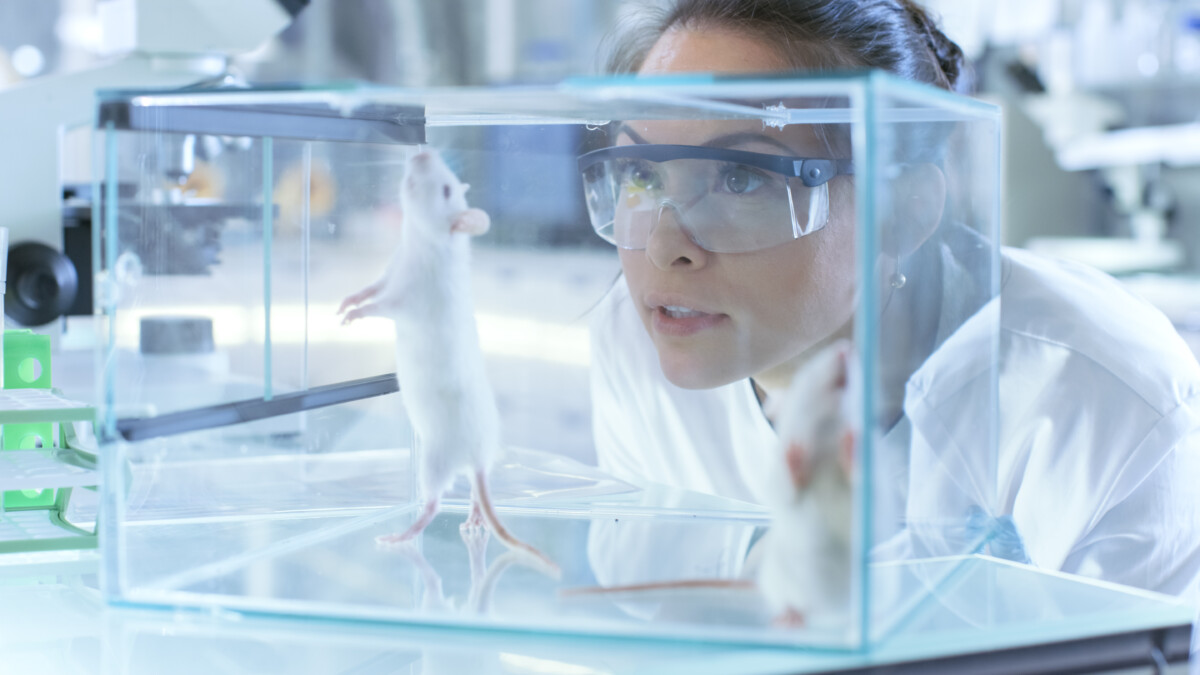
(781, 381)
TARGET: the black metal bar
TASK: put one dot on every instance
(250, 410)
(293, 7)
(372, 123)
(1102, 653)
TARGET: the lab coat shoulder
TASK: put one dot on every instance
(1098, 412)
(1093, 316)
(1100, 407)
(1069, 346)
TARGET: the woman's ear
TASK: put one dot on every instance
(918, 196)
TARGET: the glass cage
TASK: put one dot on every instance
(255, 446)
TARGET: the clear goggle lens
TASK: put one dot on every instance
(728, 201)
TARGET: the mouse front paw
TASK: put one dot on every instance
(359, 297)
(358, 313)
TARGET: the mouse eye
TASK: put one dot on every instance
(446, 191)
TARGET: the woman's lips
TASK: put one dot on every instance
(681, 321)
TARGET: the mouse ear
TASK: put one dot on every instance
(472, 221)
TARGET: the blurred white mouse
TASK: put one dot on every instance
(426, 291)
(804, 573)
(802, 567)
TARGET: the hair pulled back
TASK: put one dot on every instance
(897, 36)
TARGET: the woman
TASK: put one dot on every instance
(1099, 429)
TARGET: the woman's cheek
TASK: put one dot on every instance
(631, 268)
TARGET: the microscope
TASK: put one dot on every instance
(153, 44)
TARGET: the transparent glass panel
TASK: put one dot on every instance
(935, 162)
(686, 345)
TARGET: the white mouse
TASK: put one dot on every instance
(426, 291)
(804, 573)
(801, 567)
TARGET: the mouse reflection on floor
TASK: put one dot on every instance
(484, 578)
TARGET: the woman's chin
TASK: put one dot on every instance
(690, 373)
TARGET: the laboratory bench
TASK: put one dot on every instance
(251, 545)
(55, 621)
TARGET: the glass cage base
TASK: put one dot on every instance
(327, 564)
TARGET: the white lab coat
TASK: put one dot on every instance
(1098, 462)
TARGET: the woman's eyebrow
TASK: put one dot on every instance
(743, 137)
(726, 141)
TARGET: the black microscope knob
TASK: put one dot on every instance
(41, 284)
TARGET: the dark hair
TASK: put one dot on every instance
(897, 36)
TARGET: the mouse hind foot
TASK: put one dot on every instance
(427, 515)
(475, 521)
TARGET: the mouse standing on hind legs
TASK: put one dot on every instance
(426, 292)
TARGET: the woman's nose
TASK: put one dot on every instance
(669, 246)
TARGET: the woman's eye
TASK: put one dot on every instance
(641, 176)
(741, 179)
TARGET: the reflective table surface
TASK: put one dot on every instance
(988, 615)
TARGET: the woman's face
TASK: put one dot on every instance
(716, 318)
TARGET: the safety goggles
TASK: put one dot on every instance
(728, 201)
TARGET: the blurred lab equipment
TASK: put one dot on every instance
(1114, 88)
(151, 43)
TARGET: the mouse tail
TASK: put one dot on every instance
(675, 585)
(484, 501)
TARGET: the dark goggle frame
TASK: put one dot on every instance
(812, 171)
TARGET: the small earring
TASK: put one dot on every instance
(897, 281)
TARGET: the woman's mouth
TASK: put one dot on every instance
(679, 312)
(680, 321)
